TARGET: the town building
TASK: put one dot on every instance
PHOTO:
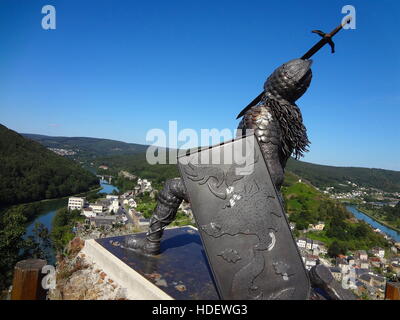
(76, 203)
(352, 278)
(378, 252)
(310, 261)
(104, 221)
(97, 208)
(362, 255)
(88, 212)
(126, 175)
(130, 202)
(378, 281)
(351, 260)
(111, 197)
(128, 194)
(365, 278)
(323, 249)
(375, 262)
(309, 244)
(364, 264)
(62, 152)
(318, 227)
(395, 267)
(143, 185)
(360, 271)
(301, 242)
(114, 206)
(343, 265)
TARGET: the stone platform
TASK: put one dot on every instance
(180, 272)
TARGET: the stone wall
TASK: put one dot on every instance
(77, 278)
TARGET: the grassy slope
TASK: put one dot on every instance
(299, 195)
(305, 204)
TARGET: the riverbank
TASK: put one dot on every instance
(48, 207)
(37, 205)
(44, 213)
(81, 194)
(18, 221)
(389, 232)
(377, 220)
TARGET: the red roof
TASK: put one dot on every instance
(375, 259)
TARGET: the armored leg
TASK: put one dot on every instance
(168, 202)
(275, 167)
(270, 152)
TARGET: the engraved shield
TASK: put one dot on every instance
(243, 226)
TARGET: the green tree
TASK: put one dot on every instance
(38, 244)
(63, 223)
(30, 172)
(336, 248)
(361, 230)
(12, 228)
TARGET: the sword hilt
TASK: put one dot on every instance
(326, 39)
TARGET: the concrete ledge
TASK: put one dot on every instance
(138, 288)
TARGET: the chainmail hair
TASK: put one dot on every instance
(294, 133)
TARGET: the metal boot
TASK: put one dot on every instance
(168, 202)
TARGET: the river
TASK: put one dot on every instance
(376, 225)
(50, 208)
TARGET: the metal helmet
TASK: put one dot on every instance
(290, 80)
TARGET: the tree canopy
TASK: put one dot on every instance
(30, 172)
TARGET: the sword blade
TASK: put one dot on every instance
(253, 103)
(315, 49)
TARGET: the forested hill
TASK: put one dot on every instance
(129, 156)
(88, 148)
(31, 172)
(324, 176)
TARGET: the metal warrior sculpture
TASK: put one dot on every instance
(277, 124)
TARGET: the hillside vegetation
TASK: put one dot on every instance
(137, 165)
(88, 148)
(325, 176)
(30, 172)
(321, 176)
(306, 205)
(386, 214)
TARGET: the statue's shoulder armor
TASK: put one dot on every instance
(261, 119)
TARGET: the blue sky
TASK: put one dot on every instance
(116, 69)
